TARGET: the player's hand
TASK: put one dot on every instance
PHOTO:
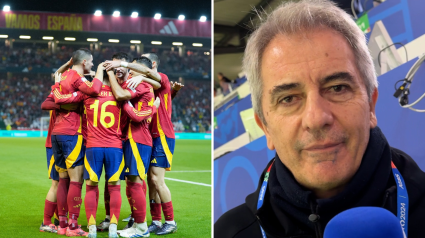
(134, 82)
(70, 106)
(57, 77)
(92, 73)
(176, 86)
(110, 64)
(100, 67)
(157, 102)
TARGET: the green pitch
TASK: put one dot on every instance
(25, 184)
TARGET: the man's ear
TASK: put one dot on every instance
(263, 127)
(372, 104)
(153, 64)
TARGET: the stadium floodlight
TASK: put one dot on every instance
(24, 37)
(181, 17)
(134, 14)
(156, 42)
(203, 19)
(70, 38)
(197, 44)
(116, 14)
(48, 37)
(98, 13)
(177, 43)
(6, 8)
(157, 16)
(92, 39)
(4, 36)
(114, 40)
(135, 42)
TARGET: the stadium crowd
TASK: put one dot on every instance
(29, 55)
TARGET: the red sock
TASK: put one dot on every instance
(155, 210)
(62, 195)
(49, 211)
(115, 202)
(74, 204)
(97, 197)
(56, 213)
(127, 192)
(90, 203)
(139, 199)
(167, 208)
(144, 187)
(107, 198)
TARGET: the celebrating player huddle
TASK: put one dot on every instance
(112, 122)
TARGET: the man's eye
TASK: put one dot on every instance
(338, 88)
(288, 99)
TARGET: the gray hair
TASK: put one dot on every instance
(293, 17)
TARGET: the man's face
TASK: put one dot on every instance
(88, 64)
(316, 108)
(120, 72)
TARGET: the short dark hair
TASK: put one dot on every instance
(153, 57)
(144, 60)
(79, 55)
(121, 56)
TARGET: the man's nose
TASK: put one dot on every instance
(317, 113)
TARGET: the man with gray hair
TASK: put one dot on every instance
(314, 93)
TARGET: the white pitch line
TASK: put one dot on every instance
(184, 181)
(191, 171)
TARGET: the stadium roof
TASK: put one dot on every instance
(192, 9)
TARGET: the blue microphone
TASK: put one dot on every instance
(364, 222)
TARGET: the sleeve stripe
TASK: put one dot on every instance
(90, 84)
(142, 113)
(60, 96)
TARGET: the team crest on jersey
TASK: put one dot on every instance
(151, 90)
(63, 78)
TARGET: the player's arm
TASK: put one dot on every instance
(61, 99)
(175, 87)
(49, 103)
(145, 111)
(135, 81)
(90, 88)
(64, 67)
(133, 66)
(119, 93)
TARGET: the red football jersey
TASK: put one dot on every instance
(140, 115)
(161, 122)
(51, 122)
(70, 122)
(103, 119)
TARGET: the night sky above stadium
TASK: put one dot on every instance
(192, 9)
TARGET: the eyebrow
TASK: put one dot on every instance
(282, 88)
(344, 76)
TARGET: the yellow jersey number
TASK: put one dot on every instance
(103, 113)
